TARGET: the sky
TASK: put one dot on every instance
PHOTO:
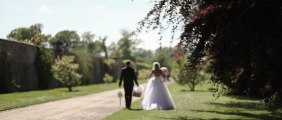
(101, 17)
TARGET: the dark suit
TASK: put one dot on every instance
(128, 76)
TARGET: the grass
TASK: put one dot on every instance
(21, 99)
(201, 105)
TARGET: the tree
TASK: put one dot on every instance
(64, 41)
(43, 65)
(143, 55)
(186, 76)
(97, 47)
(164, 57)
(33, 34)
(65, 70)
(68, 38)
(104, 47)
(114, 51)
(87, 37)
(126, 45)
(240, 39)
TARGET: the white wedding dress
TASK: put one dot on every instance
(157, 95)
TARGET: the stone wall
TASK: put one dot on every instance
(18, 70)
(20, 64)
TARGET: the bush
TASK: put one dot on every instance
(273, 102)
(43, 62)
(144, 73)
(65, 70)
(107, 78)
(85, 61)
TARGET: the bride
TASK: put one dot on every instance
(157, 95)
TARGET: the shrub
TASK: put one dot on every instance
(65, 70)
(43, 62)
(108, 78)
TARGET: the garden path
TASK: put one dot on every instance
(90, 107)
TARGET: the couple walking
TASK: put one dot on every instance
(156, 95)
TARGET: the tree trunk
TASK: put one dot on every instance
(70, 88)
(193, 86)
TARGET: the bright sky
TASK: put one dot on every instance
(101, 17)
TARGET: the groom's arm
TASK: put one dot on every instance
(121, 78)
(135, 79)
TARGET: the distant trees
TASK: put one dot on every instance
(164, 56)
(68, 38)
(32, 34)
(97, 62)
(125, 46)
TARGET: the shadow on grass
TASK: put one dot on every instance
(240, 108)
(184, 90)
(136, 109)
(185, 118)
(244, 97)
(178, 118)
(244, 105)
(73, 91)
(248, 115)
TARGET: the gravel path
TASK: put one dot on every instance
(90, 107)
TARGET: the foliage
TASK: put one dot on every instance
(113, 68)
(273, 102)
(240, 39)
(144, 73)
(85, 61)
(43, 62)
(65, 70)
(123, 49)
(108, 78)
(64, 40)
(143, 55)
(114, 51)
(33, 34)
(87, 37)
(98, 48)
(187, 76)
(164, 57)
(143, 65)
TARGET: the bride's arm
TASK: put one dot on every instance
(164, 76)
(151, 74)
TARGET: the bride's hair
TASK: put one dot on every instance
(156, 66)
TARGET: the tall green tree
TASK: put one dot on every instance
(87, 37)
(32, 34)
(143, 55)
(125, 46)
(64, 41)
(95, 46)
(104, 47)
(241, 39)
(68, 38)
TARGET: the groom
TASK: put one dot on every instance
(128, 76)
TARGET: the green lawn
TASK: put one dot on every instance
(201, 105)
(21, 99)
